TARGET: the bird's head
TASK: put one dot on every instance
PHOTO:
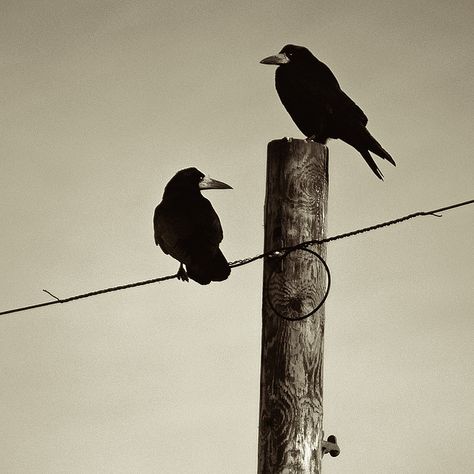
(290, 54)
(191, 181)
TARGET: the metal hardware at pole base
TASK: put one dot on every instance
(330, 446)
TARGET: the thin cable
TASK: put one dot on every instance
(245, 261)
(91, 293)
(435, 212)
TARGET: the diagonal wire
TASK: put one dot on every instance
(245, 261)
(308, 243)
(88, 295)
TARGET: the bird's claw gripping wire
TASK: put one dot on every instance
(182, 273)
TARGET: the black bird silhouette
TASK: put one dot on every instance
(187, 227)
(318, 106)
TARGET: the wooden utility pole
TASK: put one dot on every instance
(291, 402)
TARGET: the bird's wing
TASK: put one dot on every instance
(162, 229)
(320, 82)
(342, 107)
(182, 230)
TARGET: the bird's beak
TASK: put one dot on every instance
(209, 183)
(278, 59)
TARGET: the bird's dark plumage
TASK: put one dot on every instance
(187, 227)
(318, 106)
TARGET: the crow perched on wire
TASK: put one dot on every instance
(187, 227)
(318, 106)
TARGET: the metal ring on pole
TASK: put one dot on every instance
(328, 285)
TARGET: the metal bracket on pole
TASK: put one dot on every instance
(330, 446)
(276, 259)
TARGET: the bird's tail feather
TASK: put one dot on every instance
(207, 269)
(370, 161)
(376, 148)
(382, 153)
(363, 142)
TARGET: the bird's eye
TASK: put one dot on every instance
(201, 178)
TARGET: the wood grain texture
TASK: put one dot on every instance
(290, 430)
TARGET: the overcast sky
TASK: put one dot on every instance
(102, 102)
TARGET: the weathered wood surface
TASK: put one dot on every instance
(290, 431)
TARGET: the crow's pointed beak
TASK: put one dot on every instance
(278, 59)
(209, 183)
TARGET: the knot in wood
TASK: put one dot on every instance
(294, 297)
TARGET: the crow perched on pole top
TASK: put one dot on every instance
(318, 106)
(187, 227)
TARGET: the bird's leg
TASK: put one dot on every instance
(318, 138)
(182, 274)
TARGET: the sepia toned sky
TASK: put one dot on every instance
(102, 102)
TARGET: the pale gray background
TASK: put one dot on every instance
(102, 102)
